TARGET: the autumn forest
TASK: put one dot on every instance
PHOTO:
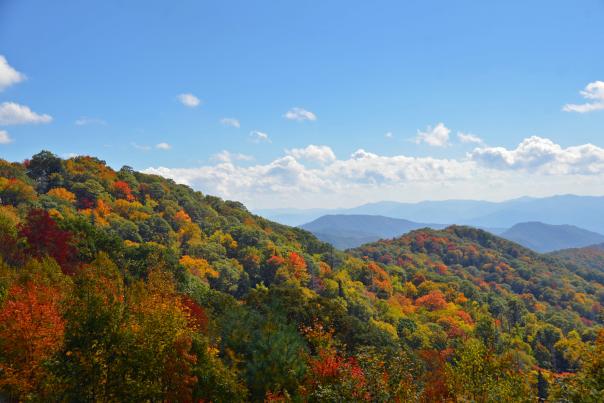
(122, 286)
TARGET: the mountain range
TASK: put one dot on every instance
(350, 231)
(582, 211)
(544, 238)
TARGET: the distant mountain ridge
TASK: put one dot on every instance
(346, 231)
(544, 238)
(349, 231)
(582, 211)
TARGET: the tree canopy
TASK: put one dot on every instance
(122, 286)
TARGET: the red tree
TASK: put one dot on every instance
(433, 301)
(331, 368)
(45, 238)
(297, 266)
(31, 328)
(435, 378)
(195, 314)
(122, 190)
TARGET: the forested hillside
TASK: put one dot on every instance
(590, 256)
(121, 286)
(588, 261)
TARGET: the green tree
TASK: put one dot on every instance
(95, 344)
(44, 168)
(478, 375)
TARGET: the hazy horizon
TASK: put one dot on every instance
(428, 201)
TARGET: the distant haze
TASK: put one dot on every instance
(583, 211)
(345, 231)
(349, 231)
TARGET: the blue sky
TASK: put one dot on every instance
(104, 78)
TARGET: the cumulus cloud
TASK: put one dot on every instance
(189, 100)
(468, 138)
(535, 165)
(288, 175)
(4, 137)
(8, 75)
(313, 153)
(437, 136)
(163, 146)
(593, 92)
(538, 154)
(259, 137)
(300, 114)
(388, 135)
(14, 114)
(230, 122)
(85, 121)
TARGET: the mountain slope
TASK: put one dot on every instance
(543, 238)
(352, 230)
(587, 262)
(489, 262)
(121, 286)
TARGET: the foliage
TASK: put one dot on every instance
(121, 286)
(31, 332)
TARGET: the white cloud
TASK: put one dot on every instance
(4, 137)
(230, 122)
(537, 154)
(469, 138)
(313, 153)
(226, 156)
(189, 100)
(259, 137)
(163, 146)
(536, 167)
(388, 135)
(8, 75)
(15, 114)
(437, 136)
(84, 121)
(287, 176)
(593, 91)
(300, 114)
